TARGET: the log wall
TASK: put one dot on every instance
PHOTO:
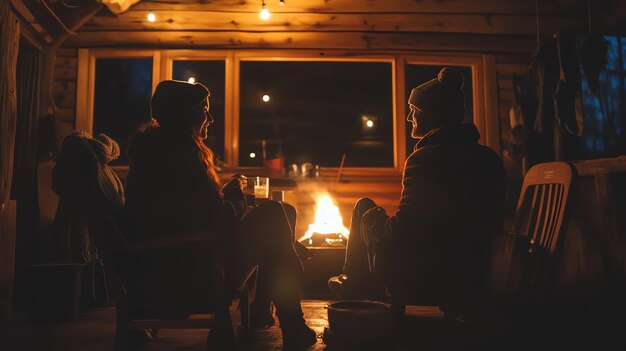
(64, 92)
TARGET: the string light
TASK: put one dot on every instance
(252, 155)
(266, 98)
(369, 123)
(265, 13)
(151, 17)
(191, 80)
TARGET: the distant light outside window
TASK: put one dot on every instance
(416, 74)
(123, 87)
(212, 75)
(317, 112)
(605, 112)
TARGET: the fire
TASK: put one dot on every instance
(327, 219)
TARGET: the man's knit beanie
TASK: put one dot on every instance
(443, 95)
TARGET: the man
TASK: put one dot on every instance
(434, 249)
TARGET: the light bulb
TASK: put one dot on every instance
(151, 17)
(264, 14)
(252, 155)
(191, 80)
(282, 2)
(266, 98)
(369, 123)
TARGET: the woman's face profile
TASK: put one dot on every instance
(203, 131)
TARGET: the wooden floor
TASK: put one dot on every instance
(425, 330)
(95, 331)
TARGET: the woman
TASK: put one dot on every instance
(173, 189)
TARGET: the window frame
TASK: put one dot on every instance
(86, 79)
(484, 89)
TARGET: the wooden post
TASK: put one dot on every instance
(7, 258)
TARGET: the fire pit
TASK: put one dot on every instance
(327, 230)
(326, 237)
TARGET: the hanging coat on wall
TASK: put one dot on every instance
(555, 134)
(568, 102)
(81, 173)
(540, 140)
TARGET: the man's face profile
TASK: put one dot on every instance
(416, 118)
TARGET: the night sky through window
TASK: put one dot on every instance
(123, 88)
(605, 112)
(318, 110)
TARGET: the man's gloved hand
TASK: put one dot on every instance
(375, 217)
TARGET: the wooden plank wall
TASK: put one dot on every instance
(64, 92)
(506, 67)
(476, 25)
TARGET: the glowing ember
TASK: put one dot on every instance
(327, 220)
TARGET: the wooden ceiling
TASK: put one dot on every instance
(486, 25)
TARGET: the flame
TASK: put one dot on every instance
(327, 219)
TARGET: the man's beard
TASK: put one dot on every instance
(416, 132)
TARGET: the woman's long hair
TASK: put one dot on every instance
(205, 155)
(202, 153)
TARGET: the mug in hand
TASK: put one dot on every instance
(262, 187)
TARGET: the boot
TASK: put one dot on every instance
(261, 313)
(296, 334)
(298, 337)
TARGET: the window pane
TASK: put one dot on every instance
(604, 111)
(316, 112)
(212, 75)
(123, 88)
(415, 75)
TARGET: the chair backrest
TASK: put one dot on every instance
(541, 208)
(524, 258)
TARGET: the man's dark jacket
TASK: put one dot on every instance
(451, 206)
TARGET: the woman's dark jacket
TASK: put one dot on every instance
(169, 192)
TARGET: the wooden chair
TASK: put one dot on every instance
(524, 259)
(135, 309)
(139, 276)
(520, 299)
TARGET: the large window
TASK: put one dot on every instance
(416, 74)
(308, 111)
(293, 105)
(605, 109)
(121, 99)
(212, 75)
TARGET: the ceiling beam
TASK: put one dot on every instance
(221, 21)
(359, 6)
(305, 40)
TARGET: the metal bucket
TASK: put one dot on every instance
(360, 321)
